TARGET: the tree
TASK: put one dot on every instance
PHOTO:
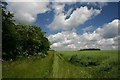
(21, 39)
(45, 45)
(9, 36)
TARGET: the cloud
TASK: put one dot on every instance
(70, 40)
(104, 42)
(63, 40)
(110, 43)
(98, 4)
(78, 17)
(26, 12)
(87, 29)
(58, 7)
(69, 12)
(109, 30)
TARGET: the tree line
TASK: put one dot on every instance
(21, 40)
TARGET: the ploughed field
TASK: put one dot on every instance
(64, 64)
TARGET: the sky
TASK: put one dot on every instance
(71, 25)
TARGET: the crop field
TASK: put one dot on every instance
(65, 64)
(96, 63)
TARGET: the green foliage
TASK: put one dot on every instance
(86, 60)
(32, 40)
(21, 39)
(9, 36)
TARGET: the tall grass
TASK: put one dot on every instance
(97, 63)
(32, 67)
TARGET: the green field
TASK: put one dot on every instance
(65, 64)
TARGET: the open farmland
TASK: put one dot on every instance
(97, 63)
(65, 64)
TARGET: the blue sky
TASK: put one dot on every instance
(72, 26)
(109, 13)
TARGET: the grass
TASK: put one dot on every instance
(67, 70)
(97, 63)
(33, 67)
(65, 64)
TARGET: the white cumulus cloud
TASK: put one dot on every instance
(87, 29)
(78, 17)
(26, 12)
(97, 39)
(109, 30)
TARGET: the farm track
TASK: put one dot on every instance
(55, 66)
(63, 69)
(57, 58)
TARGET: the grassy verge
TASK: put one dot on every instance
(33, 67)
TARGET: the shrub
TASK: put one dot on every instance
(84, 60)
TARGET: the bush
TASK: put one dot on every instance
(84, 60)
